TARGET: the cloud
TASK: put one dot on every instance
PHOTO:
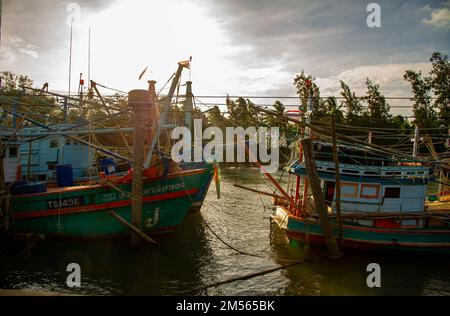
(14, 46)
(439, 18)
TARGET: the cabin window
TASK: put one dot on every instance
(392, 193)
(13, 152)
(67, 141)
(53, 143)
(329, 191)
(350, 171)
(349, 189)
(370, 191)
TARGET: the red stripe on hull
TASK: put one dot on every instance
(100, 207)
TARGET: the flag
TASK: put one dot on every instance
(217, 178)
(185, 63)
(142, 73)
(293, 113)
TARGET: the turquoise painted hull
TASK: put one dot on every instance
(358, 236)
(83, 211)
(201, 195)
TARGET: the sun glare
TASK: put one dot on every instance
(131, 35)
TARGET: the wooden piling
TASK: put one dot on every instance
(319, 199)
(337, 183)
(141, 102)
(29, 161)
(4, 196)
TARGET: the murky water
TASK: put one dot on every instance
(194, 257)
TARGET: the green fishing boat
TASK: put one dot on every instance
(83, 211)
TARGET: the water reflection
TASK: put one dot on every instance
(195, 257)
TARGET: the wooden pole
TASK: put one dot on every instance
(259, 191)
(316, 189)
(133, 228)
(268, 175)
(29, 161)
(338, 182)
(116, 124)
(2, 172)
(141, 102)
(4, 207)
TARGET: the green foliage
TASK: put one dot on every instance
(440, 83)
(378, 108)
(307, 91)
(352, 104)
(425, 115)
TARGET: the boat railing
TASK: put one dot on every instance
(371, 171)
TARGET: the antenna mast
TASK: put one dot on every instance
(70, 53)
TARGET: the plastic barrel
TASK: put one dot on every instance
(64, 175)
(107, 166)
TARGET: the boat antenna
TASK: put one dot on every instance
(1, 13)
(190, 68)
(89, 60)
(70, 53)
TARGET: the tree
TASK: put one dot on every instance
(242, 113)
(352, 104)
(306, 88)
(216, 118)
(440, 83)
(12, 83)
(425, 116)
(334, 110)
(378, 108)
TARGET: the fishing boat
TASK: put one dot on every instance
(84, 211)
(382, 203)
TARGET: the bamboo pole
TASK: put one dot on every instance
(338, 182)
(116, 125)
(258, 191)
(133, 228)
(268, 175)
(316, 189)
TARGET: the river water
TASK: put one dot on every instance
(195, 256)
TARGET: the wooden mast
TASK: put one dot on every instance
(141, 102)
(338, 182)
(321, 207)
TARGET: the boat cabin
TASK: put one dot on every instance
(369, 183)
(11, 162)
(45, 153)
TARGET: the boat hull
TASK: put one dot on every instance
(367, 237)
(199, 198)
(83, 211)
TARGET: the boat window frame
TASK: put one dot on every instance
(391, 196)
(377, 187)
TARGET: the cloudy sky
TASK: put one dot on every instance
(239, 47)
